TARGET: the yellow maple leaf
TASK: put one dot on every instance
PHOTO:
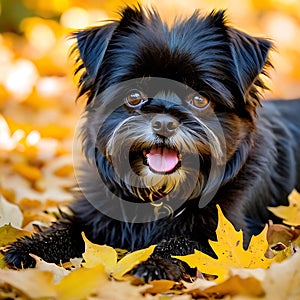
(290, 214)
(230, 251)
(107, 256)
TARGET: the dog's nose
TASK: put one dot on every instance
(164, 125)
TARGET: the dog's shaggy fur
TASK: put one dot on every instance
(174, 122)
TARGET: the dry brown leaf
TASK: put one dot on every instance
(282, 240)
(279, 233)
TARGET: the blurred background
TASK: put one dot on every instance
(38, 112)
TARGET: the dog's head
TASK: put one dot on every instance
(171, 110)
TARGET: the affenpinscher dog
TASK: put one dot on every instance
(173, 126)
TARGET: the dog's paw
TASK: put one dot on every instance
(17, 255)
(156, 268)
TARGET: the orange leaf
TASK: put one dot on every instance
(160, 286)
(29, 172)
(64, 171)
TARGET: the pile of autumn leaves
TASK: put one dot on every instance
(268, 269)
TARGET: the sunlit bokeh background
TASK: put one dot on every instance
(37, 89)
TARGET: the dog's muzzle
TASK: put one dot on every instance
(161, 158)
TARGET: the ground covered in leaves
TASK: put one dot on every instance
(38, 116)
(267, 269)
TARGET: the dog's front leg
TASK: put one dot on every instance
(161, 264)
(59, 243)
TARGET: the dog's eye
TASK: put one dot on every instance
(198, 101)
(135, 98)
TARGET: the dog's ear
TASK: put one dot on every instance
(250, 57)
(92, 44)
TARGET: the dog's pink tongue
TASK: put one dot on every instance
(162, 159)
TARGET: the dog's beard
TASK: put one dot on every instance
(152, 167)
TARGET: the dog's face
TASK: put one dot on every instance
(171, 111)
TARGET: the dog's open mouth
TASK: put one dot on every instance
(161, 159)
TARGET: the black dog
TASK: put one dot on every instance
(173, 126)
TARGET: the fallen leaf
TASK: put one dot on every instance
(55, 131)
(73, 264)
(107, 256)
(29, 172)
(99, 254)
(236, 285)
(282, 241)
(10, 214)
(279, 233)
(9, 234)
(81, 283)
(64, 171)
(282, 279)
(160, 286)
(33, 283)
(230, 252)
(58, 272)
(200, 284)
(130, 260)
(244, 273)
(113, 290)
(296, 243)
(290, 214)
